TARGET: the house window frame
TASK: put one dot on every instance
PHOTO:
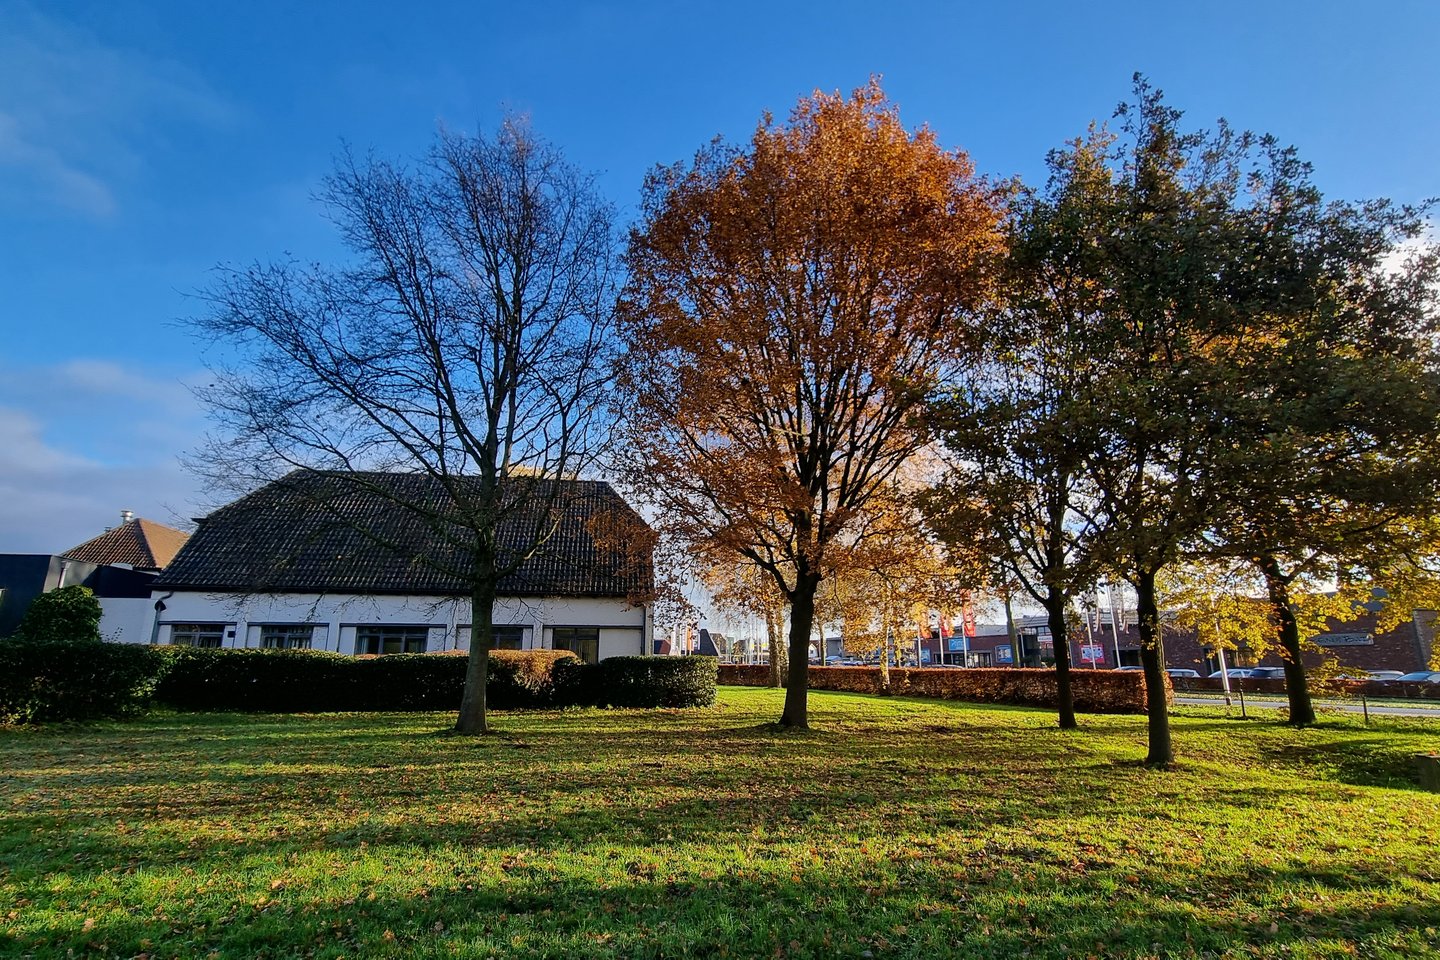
(517, 633)
(555, 640)
(291, 632)
(193, 629)
(407, 633)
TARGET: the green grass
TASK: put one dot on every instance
(896, 829)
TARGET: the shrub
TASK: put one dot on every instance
(283, 681)
(65, 681)
(407, 681)
(1095, 691)
(655, 682)
(48, 680)
(531, 678)
(310, 681)
(70, 614)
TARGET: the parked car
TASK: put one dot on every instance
(1235, 673)
(1129, 668)
(1419, 676)
(1267, 673)
(1383, 675)
(1178, 673)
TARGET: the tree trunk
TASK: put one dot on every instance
(472, 719)
(1055, 603)
(774, 624)
(1297, 685)
(1152, 659)
(885, 660)
(802, 622)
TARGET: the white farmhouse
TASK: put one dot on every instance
(335, 562)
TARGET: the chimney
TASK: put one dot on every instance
(126, 516)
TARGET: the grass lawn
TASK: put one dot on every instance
(896, 829)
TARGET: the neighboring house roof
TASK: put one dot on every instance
(322, 532)
(140, 543)
(710, 643)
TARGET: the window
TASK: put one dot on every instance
(286, 636)
(381, 640)
(198, 634)
(507, 637)
(584, 642)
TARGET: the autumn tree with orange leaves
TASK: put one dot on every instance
(790, 305)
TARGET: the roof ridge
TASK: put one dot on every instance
(140, 528)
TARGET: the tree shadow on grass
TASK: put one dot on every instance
(642, 905)
(214, 806)
(1361, 761)
(208, 826)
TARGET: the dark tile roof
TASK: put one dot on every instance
(316, 532)
(143, 544)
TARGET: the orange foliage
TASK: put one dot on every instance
(789, 306)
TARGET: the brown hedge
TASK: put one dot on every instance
(1096, 691)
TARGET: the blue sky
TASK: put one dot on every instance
(143, 143)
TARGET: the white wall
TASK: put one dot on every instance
(126, 619)
(335, 618)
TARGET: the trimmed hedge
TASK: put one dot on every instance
(1095, 691)
(313, 681)
(280, 681)
(85, 680)
(655, 681)
(406, 681)
(295, 681)
(56, 680)
(521, 679)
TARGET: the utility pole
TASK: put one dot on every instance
(1114, 623)
(1015, 652)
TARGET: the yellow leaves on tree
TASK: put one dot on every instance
(1226, 605)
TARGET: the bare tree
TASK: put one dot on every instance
(467, 341)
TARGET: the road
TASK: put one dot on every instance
(1347, 706)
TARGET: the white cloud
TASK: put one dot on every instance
(105, 377)
(52, 499)
(77, 115)
(81, 441)
(73, 188)
(26, 454)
